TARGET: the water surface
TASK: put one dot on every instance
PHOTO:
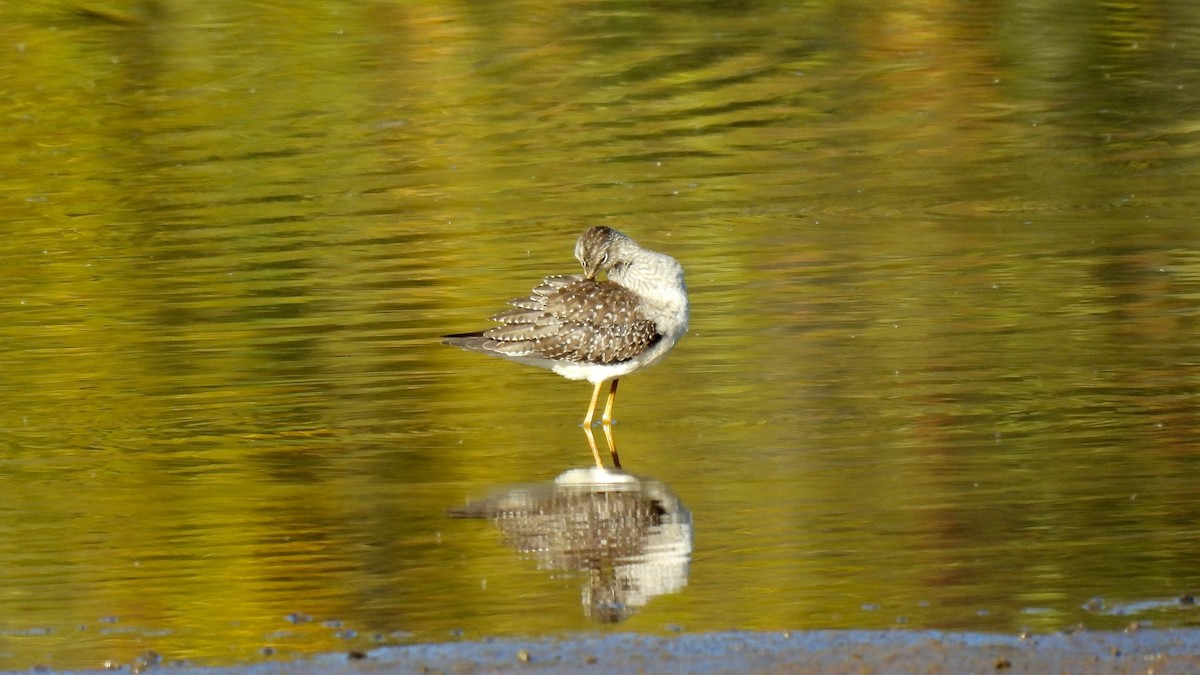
(943, 364)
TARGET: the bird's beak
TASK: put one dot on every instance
(590, 271)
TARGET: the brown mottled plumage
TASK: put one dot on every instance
(575, 320)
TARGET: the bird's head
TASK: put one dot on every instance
(599, 249)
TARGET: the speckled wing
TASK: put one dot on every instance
(568, 319)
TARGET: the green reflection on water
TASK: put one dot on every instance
(942, 368)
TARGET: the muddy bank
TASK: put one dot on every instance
(1144, 651)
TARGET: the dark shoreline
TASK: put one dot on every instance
(893, 651)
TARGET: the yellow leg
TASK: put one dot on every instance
(612, 396)
(612, 446)
(587, 431)
(587, 420)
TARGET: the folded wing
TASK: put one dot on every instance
(567, 318)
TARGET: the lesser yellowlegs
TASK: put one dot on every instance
(596, 330)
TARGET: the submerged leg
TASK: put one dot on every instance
(587, 431)
(612, 446)
(612, 396)
(587, 420)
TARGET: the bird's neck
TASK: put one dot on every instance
(658, 280)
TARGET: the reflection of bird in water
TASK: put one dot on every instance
(631, 536)
(586, 329)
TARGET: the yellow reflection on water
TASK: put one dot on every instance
(941, 371)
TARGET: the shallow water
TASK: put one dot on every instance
(942, 369)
